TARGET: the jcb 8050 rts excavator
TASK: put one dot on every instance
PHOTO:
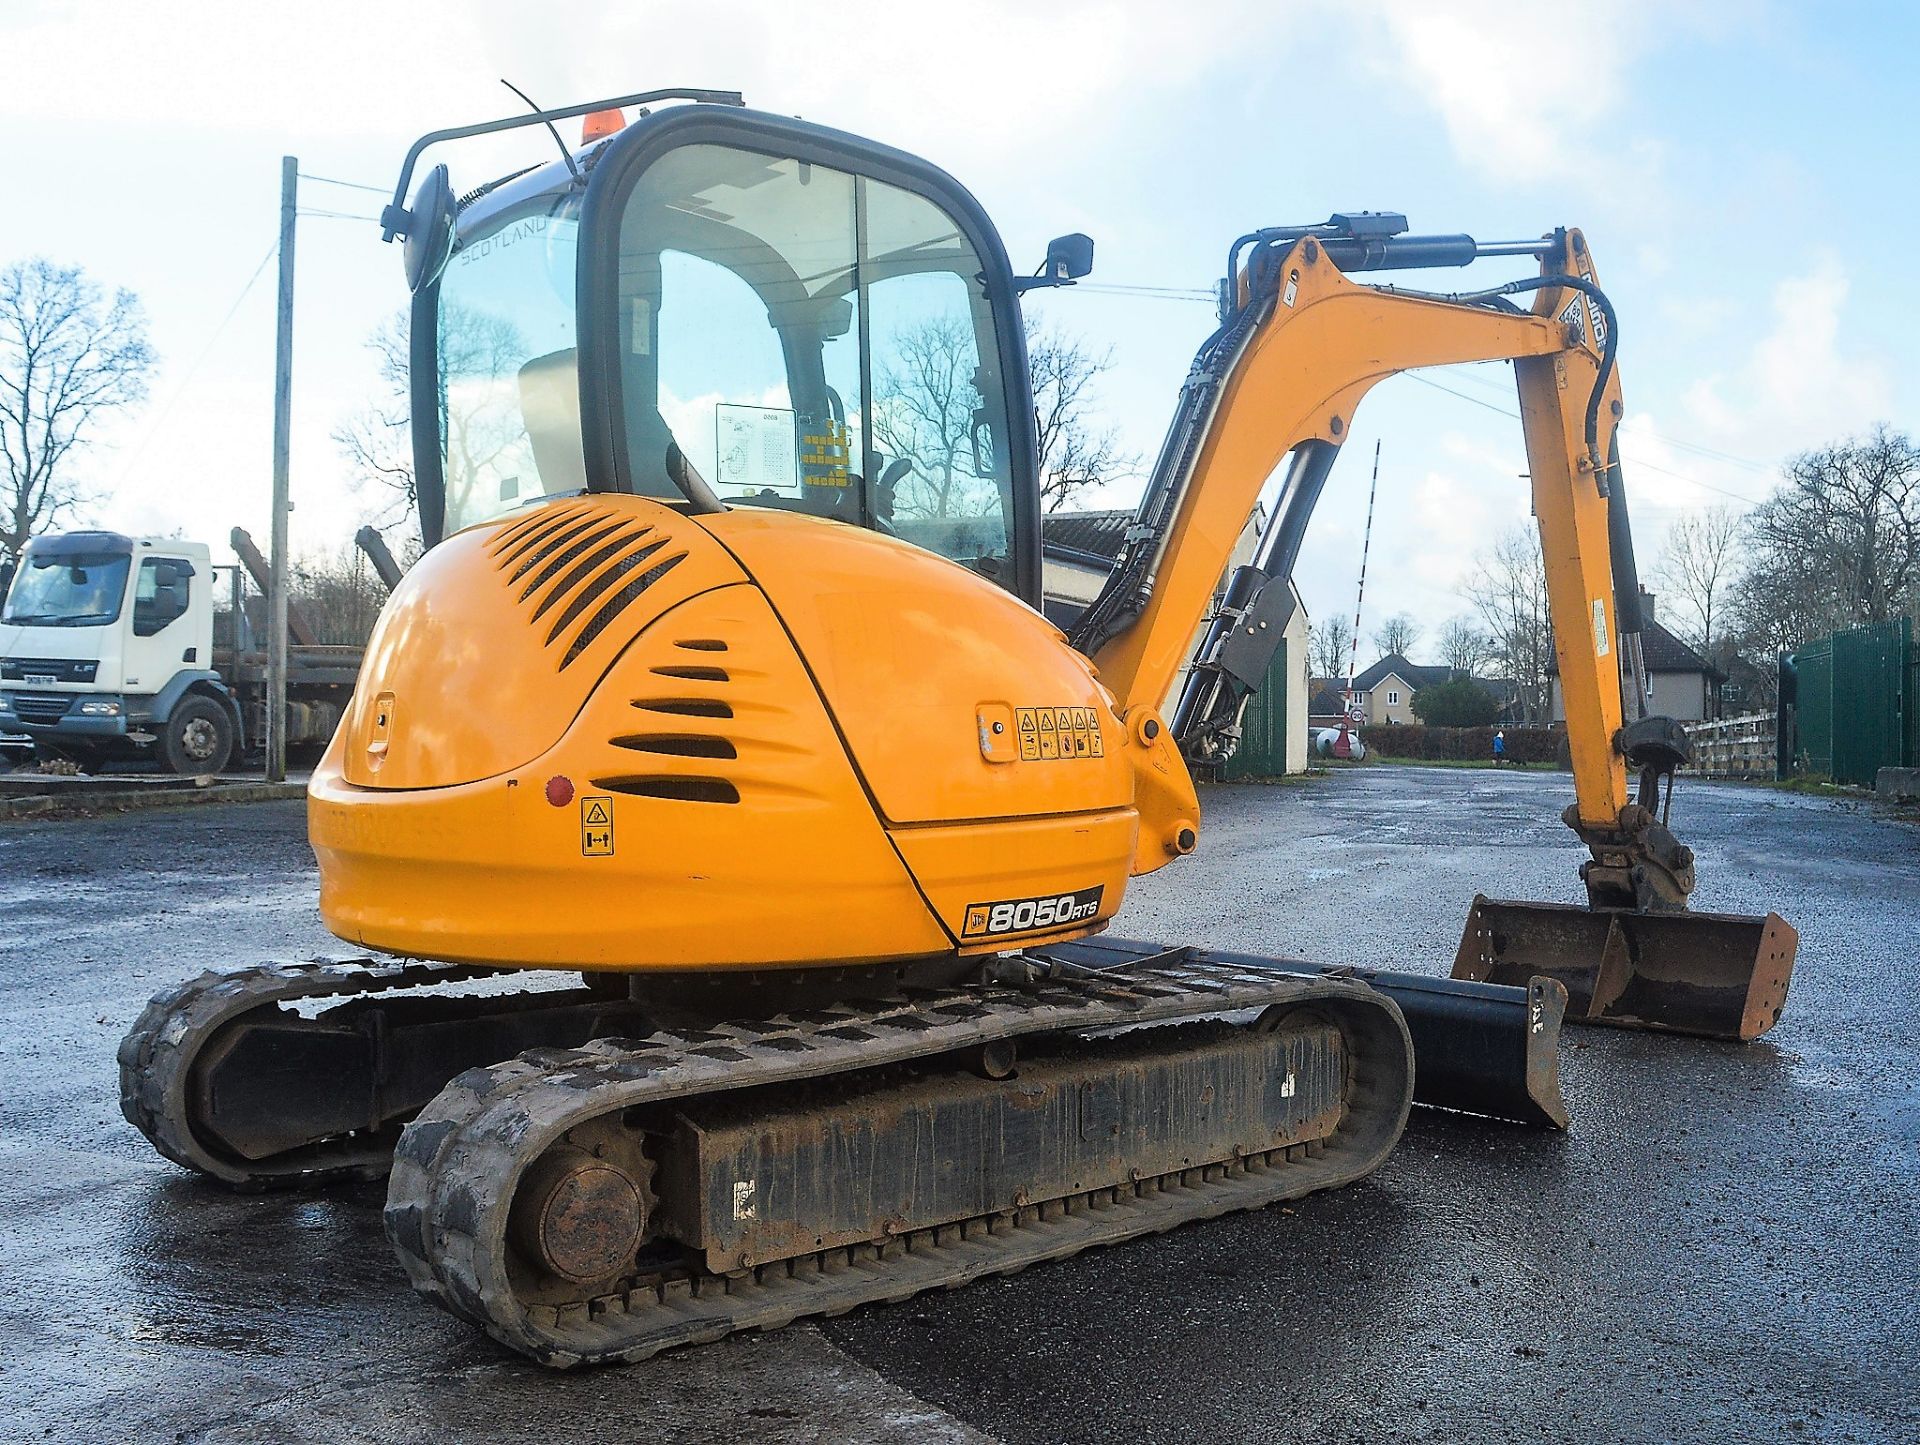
(723, 683)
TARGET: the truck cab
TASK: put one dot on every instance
(106, 649)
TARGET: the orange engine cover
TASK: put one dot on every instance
(606, 735)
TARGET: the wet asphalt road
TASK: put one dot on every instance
(1722, 1249)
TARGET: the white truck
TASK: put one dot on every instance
(107, 650)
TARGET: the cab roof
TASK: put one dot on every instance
(94, 544)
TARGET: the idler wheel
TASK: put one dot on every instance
(580, 1215)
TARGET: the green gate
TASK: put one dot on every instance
(1263, 727)
(1869, 677)
(1813, 708)
(1857, 703)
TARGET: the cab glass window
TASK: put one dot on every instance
(509, 390)
(67, 591)
(160, 594)
(797, 337)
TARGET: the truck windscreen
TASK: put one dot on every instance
(73, 591)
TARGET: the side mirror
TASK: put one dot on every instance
(429, 229)
(1068, 259)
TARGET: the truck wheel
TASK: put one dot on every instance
(199, 737)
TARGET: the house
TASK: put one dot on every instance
(1681, 684)
(1326, 703)
(1749, 688)
(1077, 552)
(1384, 692)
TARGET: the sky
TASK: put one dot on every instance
(1741, 170)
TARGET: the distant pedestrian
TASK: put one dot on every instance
(1499, 748)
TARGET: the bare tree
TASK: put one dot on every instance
(923, 408)
(70, 358)
(1074, 452)
(1697, 570)
(1397, 635)
(924, 404)
(1508, 588)
(1330, 647)
(1465, 647)
(1837, 546)
(480, 354)
(376, 439)
(339, 594)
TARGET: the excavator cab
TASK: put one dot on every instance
(726, 309)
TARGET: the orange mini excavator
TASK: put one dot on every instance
(724, 684)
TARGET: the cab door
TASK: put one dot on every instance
(159, 631)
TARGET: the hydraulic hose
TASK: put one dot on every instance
(1608, 348)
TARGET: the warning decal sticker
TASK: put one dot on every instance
(1049, 734)
(596, 827)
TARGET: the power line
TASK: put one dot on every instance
(205, 351)
(1465, 374)
(1155, 293)
(1192, 294)
(349, 185)
(1637, 462)
(1188, 293)
(339, 216)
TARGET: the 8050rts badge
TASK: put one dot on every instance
(1024, 915)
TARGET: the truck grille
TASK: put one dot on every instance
(41, 707)
(61, 669)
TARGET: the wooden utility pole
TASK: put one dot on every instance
(282, 449)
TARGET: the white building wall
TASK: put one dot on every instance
(1678, 695)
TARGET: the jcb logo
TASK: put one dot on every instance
(1024, 915)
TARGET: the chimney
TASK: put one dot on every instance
(1646, 606)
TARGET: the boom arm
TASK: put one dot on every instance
(1283, 376)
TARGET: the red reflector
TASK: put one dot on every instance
(559, 791)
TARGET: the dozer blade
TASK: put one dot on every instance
(1717, 975)
(1479, 1048)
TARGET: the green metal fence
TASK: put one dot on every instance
(1263, 727)
(1813, 709)
(1913, 706)
(1856, 704)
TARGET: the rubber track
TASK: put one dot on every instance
(458, 1163)
(157, 1056)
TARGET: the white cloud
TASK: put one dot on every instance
(1531, 91)
(983, 79)
(1453, 520)
(1521, 99)
(1800, 384)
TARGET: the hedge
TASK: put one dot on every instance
(1413, 740)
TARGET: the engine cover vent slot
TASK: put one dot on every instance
(620, 600)
(530, 531)
(691, 674)
(585, 568)
(558, 551)
(679, 790)
(684, 706)
(702, 644)
(678, 745)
